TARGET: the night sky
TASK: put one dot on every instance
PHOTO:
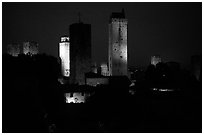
(171, 30)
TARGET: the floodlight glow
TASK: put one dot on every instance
(64, 52)
(154, 88)
(166, 90)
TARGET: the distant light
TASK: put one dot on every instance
(132, 84)
(134, 81)
(163, 75)
(166, 90)
(60, 80)
(154, 88)
(155, 60)
(75, 98)
(132, 92)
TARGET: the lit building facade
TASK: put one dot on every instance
(117, 52)
(13, 49)
(30, 48)
(155, 60)
(104, 69)
(64, 53)
(80, 52)
(76, 97)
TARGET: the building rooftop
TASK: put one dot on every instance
(118, 14)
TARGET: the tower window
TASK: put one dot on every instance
(121, 56)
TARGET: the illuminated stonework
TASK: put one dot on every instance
(155, 60)
(30, 48)
(13, 49)
(64, 52)
(104, 70)
(76, 97)
(118, 44)
(80, 52)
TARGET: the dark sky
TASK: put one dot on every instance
(171, 30)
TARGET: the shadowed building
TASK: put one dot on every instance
(117, 52)
(173, 66)
(80, 52)
(64, 52)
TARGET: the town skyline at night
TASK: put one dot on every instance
(102, 67)
(171, 30)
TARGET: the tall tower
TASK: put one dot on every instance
(64, 53)
(118, 44)
(80, 51)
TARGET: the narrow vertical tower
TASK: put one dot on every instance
(64, 53)
(80, 54)
(117, 44)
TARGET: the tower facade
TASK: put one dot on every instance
(80, 52)
(64, 52)
(118, 44)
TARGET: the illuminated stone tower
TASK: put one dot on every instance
(118, 44)
(80, 52)
(64, 53)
